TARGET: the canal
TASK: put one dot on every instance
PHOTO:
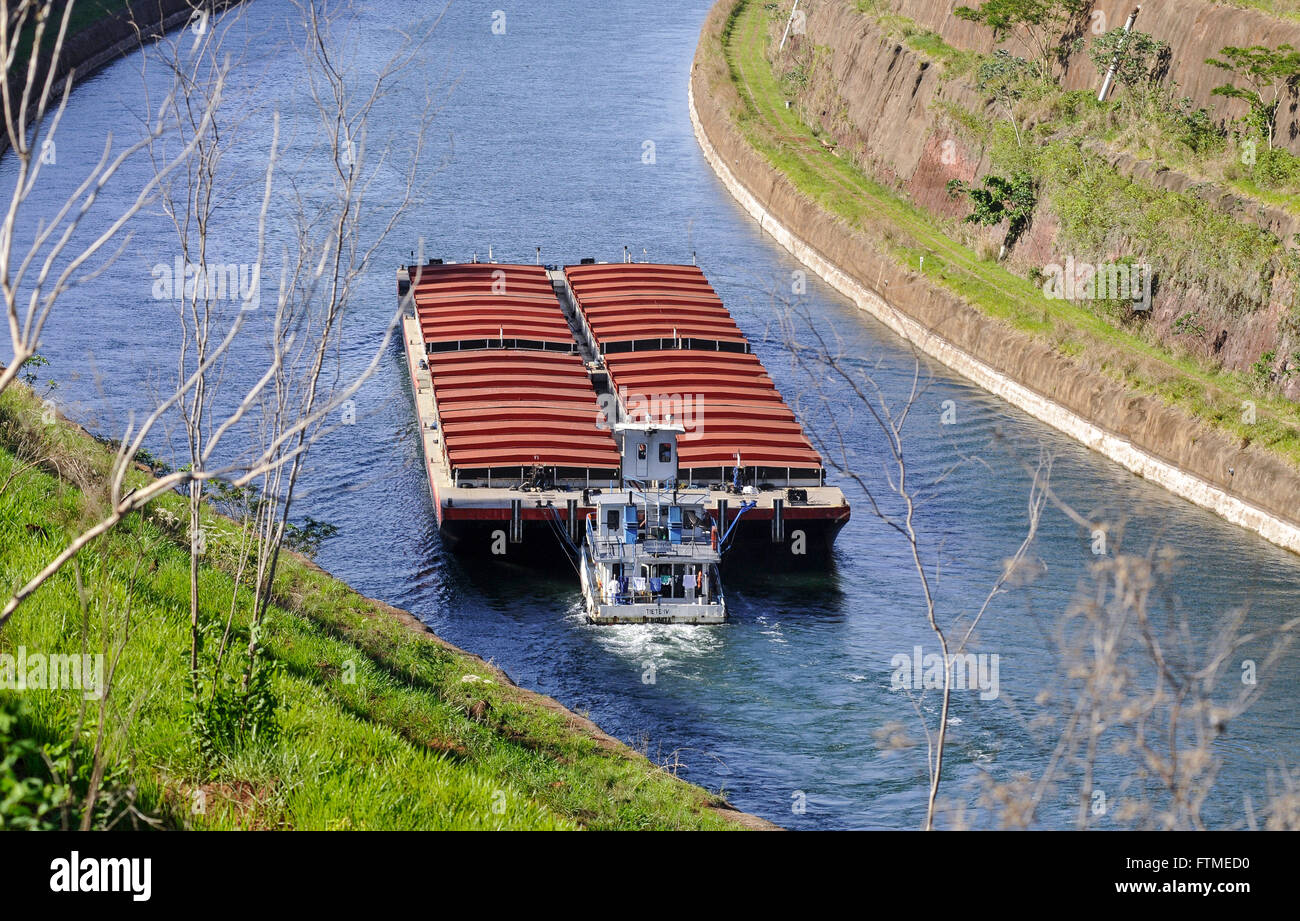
(568, 130)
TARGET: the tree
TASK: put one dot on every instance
(1267, 72)
(331, 248)
(57, 257)
(895, 502)
(1136, 55)
(1037, 24)
(1132, 729)
(1001, 199)
(296, 391)
(1005, 77)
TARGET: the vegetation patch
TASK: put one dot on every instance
(1040, 143)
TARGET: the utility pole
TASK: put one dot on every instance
(789, 22)
(1119, 51)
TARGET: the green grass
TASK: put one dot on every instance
(426, 736)
(85, 13)
(925, 41)
(839, 186)
(1283, 9)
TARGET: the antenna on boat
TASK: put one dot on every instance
(626, 257)
(539, 255)
(490, 259)
(693, 262)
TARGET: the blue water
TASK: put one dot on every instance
(540, 142)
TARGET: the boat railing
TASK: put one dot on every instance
(631, 597)
(651, 498)
(692, 543)
(616, 550)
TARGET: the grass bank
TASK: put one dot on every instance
(1283, 9)
(380, 724)
(84, 15)
(907, 233)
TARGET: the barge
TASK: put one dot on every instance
(521, 375)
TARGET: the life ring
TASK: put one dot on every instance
(713, 537)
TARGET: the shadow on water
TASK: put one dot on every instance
(811, 594)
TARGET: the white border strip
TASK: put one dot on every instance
(1183, 484)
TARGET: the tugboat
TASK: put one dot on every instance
(651, 553)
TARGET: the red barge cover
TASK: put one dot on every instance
(509, 388)
(663, 332)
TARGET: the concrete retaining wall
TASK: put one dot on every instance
(93, 48)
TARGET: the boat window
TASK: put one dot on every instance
(665, 453)
(611, 520)
(640, 451)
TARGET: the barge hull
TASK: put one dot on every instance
(807, 544)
